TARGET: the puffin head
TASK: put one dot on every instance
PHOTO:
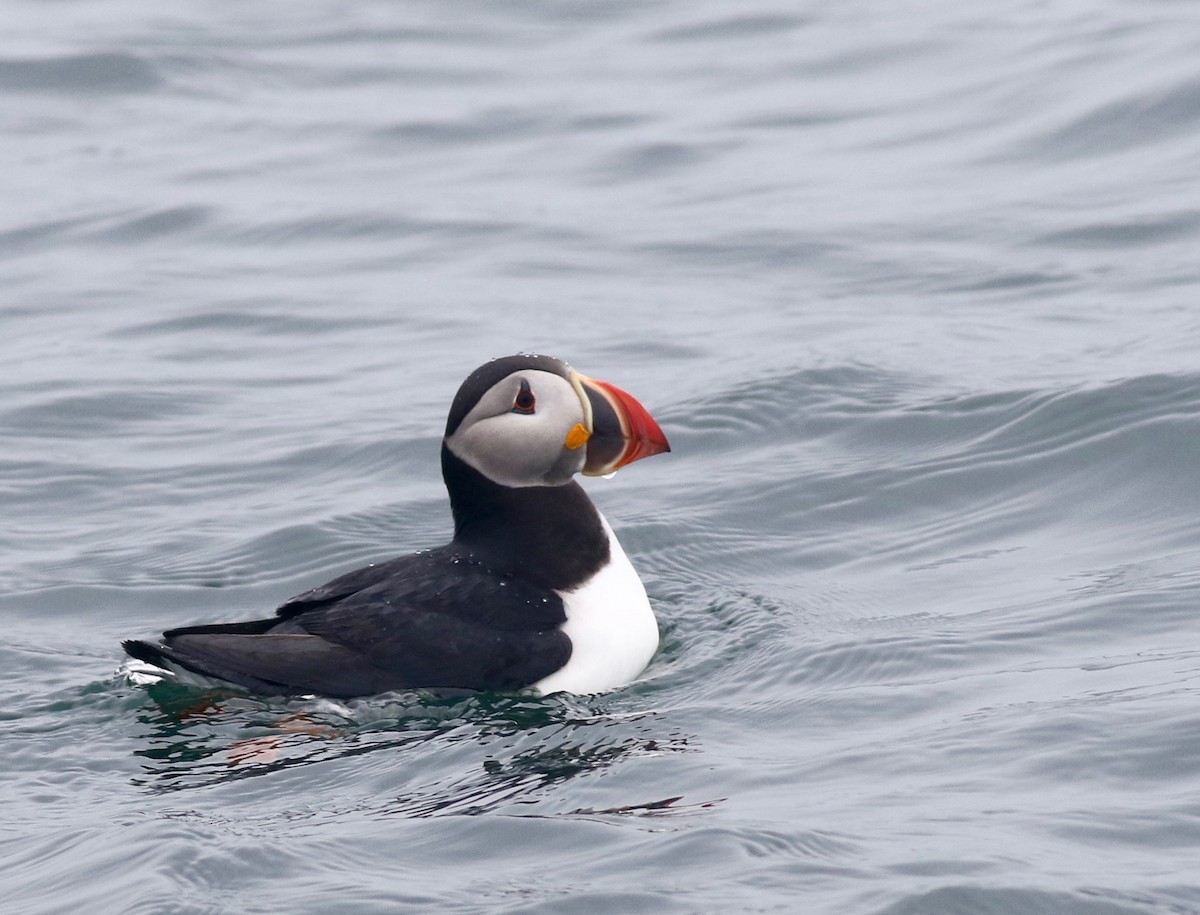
(531, 420)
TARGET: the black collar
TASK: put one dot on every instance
(549, 535)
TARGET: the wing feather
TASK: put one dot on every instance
(442, 618)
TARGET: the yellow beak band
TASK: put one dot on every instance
(577, 437)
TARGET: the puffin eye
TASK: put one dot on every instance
(524, 402)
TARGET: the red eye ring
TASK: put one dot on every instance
(524, 402)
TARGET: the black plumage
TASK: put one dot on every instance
(480, 613)
(437, 618)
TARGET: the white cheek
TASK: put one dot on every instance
(518, 449)
(512, 449)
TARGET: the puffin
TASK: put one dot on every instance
(533, 592)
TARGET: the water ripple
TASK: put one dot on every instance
(88, 74)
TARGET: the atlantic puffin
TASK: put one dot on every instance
(533, 591)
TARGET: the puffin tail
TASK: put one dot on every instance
(177, 664)
(144, 651)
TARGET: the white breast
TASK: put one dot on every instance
(611, 626)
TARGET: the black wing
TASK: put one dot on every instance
(436, 619)
(345, 585)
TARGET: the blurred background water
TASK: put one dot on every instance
(912, 289)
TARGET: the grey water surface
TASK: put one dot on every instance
(914, 290)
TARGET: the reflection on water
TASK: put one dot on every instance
(517, 746)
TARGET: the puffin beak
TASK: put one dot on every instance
(619, 429)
